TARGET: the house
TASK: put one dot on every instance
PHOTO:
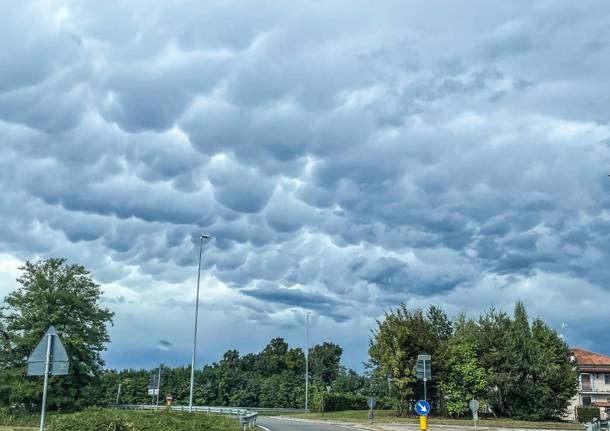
(593, 382)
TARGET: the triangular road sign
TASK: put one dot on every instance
(59, 361)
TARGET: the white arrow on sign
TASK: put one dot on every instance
(423, 408)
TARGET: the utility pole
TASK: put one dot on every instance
(118, 394)
(158, 386)
(201, 238)
(307, 362)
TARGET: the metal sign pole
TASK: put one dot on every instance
(425, 380)
(158, 385)
(47, 366)
(118, 394)
(307, 363)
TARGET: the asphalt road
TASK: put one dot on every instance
(285, 425)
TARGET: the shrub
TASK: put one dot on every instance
(338, 402)
(116, 420)
(18, 417)
(587, 414)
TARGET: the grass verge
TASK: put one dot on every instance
(116, 420)
(389, 416)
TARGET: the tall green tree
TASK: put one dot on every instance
(553, 375)
(53, 292)
(493, 336)
(399, 338)
(466, 378)
(325, 363)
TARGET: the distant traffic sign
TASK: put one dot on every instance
(422, 407)
(474, 405)
(423, 369)
(371, 402)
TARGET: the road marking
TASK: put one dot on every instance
(266, 429)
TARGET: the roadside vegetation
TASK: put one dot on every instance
(118, 420)
(517, 368)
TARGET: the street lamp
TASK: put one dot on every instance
(307, 363)
(201, 239)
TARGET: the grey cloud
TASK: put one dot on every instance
(299, 298)
(344, 158)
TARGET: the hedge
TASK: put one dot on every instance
(116, 420)
(587, 414)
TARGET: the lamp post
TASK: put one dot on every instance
(307, 363)
(201, 239)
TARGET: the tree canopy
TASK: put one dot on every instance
(515, 368)
(52, 292)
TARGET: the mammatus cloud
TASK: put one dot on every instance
(345, 159)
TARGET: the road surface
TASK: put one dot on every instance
(272, 424)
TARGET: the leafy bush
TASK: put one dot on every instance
(587, 414)
(115, 420)
(18, 417)
(338, 402)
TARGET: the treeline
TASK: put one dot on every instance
(513, 367)
(516, 369)
(275, 377)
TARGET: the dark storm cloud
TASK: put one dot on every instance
(344, 158)
(320, 303)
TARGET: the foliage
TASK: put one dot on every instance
(400, 337)
(330, 402)
(519, 370)
(18, 417)
(55, 293)
(115, 420)
(274, 377)
(466, 379)
(587, 414)
(324, 363)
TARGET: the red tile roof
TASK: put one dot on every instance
(584, 357)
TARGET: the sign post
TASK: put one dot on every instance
(423, 371)
(474, 407)
(49, 358)
(371, 403)
(422, 407)
(154, 384)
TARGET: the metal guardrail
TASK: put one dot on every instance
(247, 418)
(597, 425)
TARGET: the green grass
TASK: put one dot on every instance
(389, 416)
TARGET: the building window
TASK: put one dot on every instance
(586, 401)
(607, 378)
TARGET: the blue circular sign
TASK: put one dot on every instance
(422, 407)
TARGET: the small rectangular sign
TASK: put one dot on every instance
(55, 368)
(153, 392)
(424, 357)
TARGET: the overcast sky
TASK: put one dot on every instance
(346, 155)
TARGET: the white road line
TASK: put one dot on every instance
(266, 429)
